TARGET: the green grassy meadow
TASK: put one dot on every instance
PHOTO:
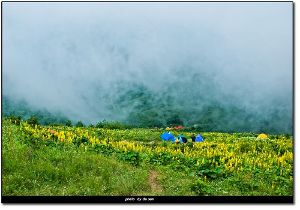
(117, 162)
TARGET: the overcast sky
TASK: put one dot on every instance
(59, 55)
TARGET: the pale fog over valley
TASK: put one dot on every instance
(222, 67)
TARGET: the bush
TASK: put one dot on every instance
(130, 156)
(33, 121)
(15, 119)
(212, 173)
(201, 188)
(111, 125)
(68, 123)
(80, 140)
(91, 126)
(79, 124)
(161, 158)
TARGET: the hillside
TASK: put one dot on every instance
(60, 160)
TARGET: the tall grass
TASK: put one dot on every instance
(34, 168)
(69, 170)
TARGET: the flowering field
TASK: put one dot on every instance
(248, 164)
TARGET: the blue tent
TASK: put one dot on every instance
(199, 138)
(167, 137)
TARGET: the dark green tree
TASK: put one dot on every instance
(33, 120)
(68, 123)
(79, 124)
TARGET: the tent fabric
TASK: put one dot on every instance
(262, 136)
(182, 138)
(199, 138)
(167, 137)
(164, 136)
(178, 127)
(193, 138)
